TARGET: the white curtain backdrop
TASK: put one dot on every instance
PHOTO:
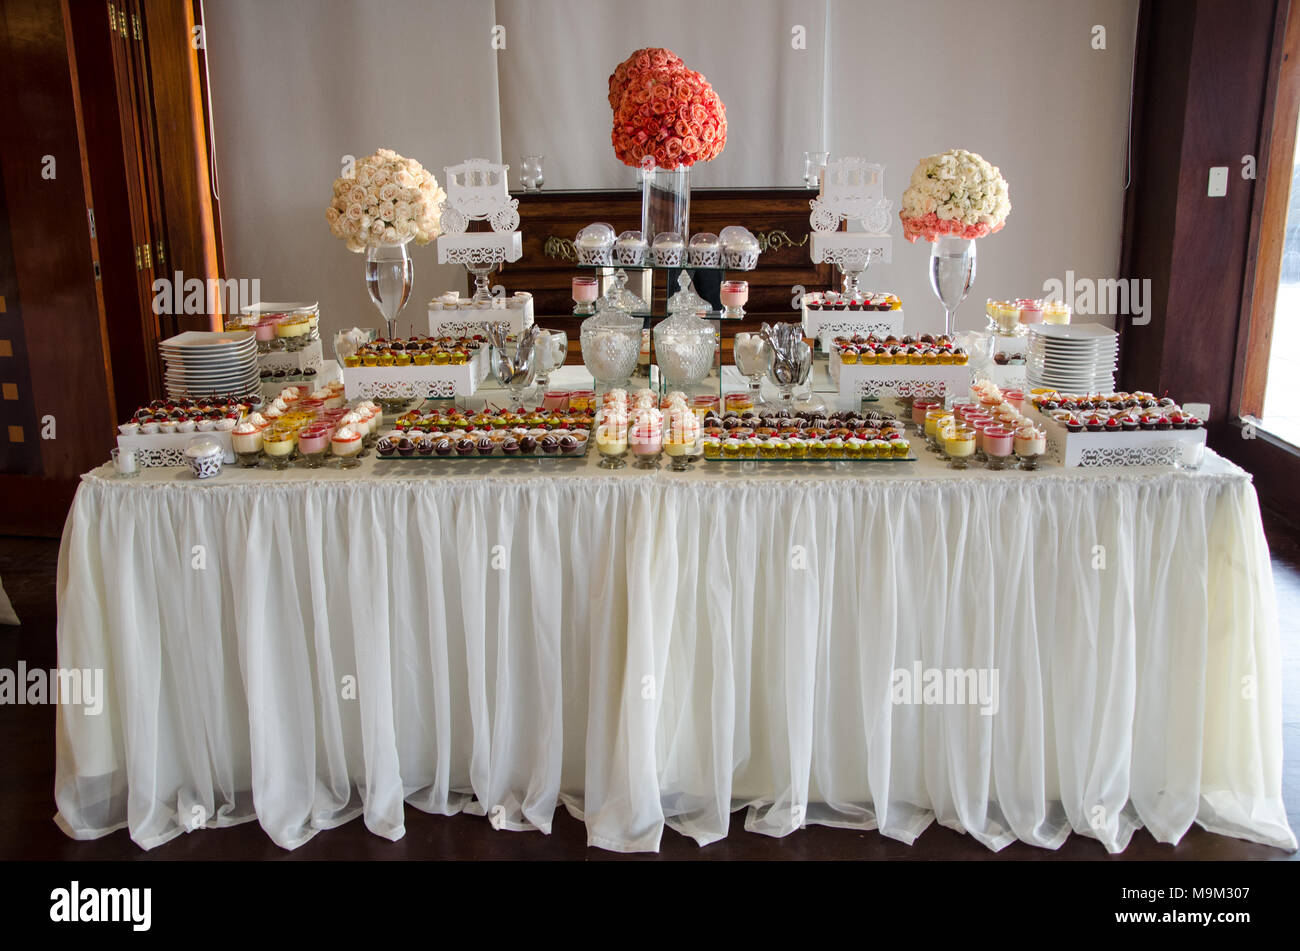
(297, 84)
(554, 83)
(654, 651)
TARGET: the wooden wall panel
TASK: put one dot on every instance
(1203, 73)
(551, 220)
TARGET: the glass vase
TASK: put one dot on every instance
(665, 200)
(952, 271)
(389, 278)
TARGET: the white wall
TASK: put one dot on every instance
(297, 84)
(1016, 81)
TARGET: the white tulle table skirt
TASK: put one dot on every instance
(305, 648)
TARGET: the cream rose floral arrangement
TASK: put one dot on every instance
(954, 193)
(388, 199)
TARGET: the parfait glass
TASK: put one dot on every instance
(734, 295)
(585, 292)
(790, 366)
(611, 441)
(515, 370)
(959, 446)
(552, 349)
(952, 271)
(750, 355)
(935, 417)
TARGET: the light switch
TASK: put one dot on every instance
(1218, 181)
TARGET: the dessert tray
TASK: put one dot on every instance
(1164, 446)
(446, 435)
(827, 314)
(293, 361)
(452, 315)
(806, 437)
(394, 383)
(213, 418)
(869, 367)
(441, 448)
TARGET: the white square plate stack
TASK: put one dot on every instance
(1072, 358)
(204, 363)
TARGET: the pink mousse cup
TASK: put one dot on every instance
(313, 445)
(997, 446)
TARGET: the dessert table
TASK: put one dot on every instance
(662, 649)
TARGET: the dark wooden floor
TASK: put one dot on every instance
(27, 567)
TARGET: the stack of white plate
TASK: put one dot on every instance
(202, 363)
(1072, 358)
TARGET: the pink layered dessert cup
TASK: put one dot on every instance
(734, 295)
(1031, 311)
(585, 292)
(997, 446)
(645, 439)
(314, 445)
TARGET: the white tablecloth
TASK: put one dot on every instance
(662, 649)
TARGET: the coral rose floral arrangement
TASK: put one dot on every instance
(387, 200)
(955, 193)
(665, 111)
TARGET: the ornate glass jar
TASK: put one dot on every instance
(611, 343)
(685, 343)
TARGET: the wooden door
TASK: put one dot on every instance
(58, 410)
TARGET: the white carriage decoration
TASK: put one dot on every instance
(477, 191)
(852, 188)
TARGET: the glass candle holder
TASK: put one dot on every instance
(813, 163)
(530, 172)
(126, 463)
